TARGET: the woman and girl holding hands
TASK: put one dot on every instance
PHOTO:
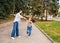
(15, 30)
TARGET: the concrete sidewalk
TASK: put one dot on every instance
(36, 37)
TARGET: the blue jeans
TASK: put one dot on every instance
(15, 30)
(29, 29)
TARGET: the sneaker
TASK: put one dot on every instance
(12, 38)
(29, 37)
(19, 36)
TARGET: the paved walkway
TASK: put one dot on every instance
(56, 19)
(36, 37)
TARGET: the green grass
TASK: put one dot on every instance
(59, 14)
(52, 28)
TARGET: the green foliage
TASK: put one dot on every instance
(7, 7)
(52, 7)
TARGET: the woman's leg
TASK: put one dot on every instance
(14, 29)
(17, 30)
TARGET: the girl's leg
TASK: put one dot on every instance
(30, 31)
(27, 29)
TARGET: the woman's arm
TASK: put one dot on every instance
(13, 14)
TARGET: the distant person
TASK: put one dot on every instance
(15, 30)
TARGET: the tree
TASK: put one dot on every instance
(35, 7)
(51, 7)
(5, 8)
(9, 6)
(39, 6)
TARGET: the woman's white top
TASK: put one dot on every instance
(18, 17)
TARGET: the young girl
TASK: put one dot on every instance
(29, 26)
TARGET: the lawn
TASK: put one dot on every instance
(52, 28)
(59, 14)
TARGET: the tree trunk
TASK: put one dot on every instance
(46, 15)
(13, 6)
(42, 18)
